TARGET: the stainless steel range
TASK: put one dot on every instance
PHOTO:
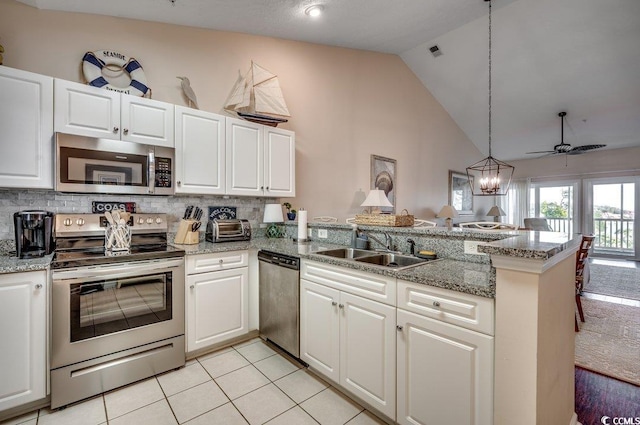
(115, 319)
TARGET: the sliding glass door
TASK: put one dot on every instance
(556, 201)
(612, 204)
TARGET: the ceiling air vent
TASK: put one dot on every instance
(435, 51)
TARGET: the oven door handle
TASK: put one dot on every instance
(116, 270)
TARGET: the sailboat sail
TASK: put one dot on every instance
(258, 93)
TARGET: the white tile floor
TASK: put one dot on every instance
(247, 383)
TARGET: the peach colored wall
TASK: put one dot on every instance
(345, 104)
(602, 163)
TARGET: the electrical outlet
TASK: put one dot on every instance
(322, 233)
(471, 247)
(309, 232)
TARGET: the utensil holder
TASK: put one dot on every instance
(185, 236)
(117, 239)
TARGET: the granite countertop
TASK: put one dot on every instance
(532, 245)
(462, 276)
(9, 263)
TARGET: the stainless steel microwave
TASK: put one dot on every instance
(92, 165)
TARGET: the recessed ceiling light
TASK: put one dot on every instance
(314, 11)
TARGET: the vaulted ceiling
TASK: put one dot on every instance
(578, 56)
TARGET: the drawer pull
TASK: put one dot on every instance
(436, 303)
(221, 261)
(39, 286)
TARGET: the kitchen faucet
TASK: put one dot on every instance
(387, 240)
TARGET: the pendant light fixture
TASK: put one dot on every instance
(495, 175)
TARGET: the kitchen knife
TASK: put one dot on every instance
(198, 214)
(188, 211)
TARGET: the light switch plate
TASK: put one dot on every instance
(322, 233)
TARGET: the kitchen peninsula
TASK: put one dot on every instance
(531, 280)
(532, 351)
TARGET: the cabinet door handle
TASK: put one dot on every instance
(261, 187)
(179, 183)
(333, 303)
(399, 328)
(125, 131)
(115, 130)
(39, 286)
(192, 286)
(436, 303)
(340, 305)
(267, 187)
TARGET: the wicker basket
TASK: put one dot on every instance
(403, 220)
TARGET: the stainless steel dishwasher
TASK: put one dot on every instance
(280, 300)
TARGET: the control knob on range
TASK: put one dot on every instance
(141, 220)
(80, 221)
(149, 220)
(158, 220)
(68, 222)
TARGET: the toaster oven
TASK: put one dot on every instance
(228, 230)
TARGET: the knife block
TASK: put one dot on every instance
(185, 236)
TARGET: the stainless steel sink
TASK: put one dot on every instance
(375, 258)
(392, 260)
(347, 253)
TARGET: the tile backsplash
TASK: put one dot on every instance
(12, 201)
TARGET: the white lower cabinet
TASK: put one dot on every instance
(351, 340)
(217, 302)
(445, 373)
(23, 332)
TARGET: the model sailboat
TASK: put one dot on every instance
(257, 97)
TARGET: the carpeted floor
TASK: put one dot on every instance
(623, 282)
(609, 340)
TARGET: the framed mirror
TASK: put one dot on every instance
(460, 193)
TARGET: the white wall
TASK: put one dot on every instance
(345, 104)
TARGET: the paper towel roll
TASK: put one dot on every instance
(302, 224)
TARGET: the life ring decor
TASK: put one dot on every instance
(94, 62)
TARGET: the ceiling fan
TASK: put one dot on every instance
(565, 148)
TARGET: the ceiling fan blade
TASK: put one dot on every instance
(584, 149)
(538, 152)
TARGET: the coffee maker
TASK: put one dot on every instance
(34, 233)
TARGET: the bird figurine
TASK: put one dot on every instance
(188, 91)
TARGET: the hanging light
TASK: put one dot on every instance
(495, 175)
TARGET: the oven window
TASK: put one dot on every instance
(105, 306)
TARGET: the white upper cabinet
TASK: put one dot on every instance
(200, 151)
(260, 160)
(146, 121)
(94, 112)
(26, 129)
(279, 162)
